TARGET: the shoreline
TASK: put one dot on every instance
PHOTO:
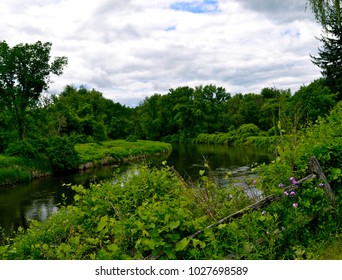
(17, 173)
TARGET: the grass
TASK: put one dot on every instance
(331, 250)
(119, 149)
(18, 169)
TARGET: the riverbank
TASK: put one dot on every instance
(115, 152)
(118, 152)
(158, 216)
(261, 141)
(246, 135)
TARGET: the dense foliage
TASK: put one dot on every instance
(157, 215)
(184, 113)
(25, 73)
(29, 159)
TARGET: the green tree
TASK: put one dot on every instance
(312, 101)
(25, 71)
(329, 59)
(79, 111)
(151, 121)
(234, 113)
(250, 108)
(274, 111)
(5, 131)
(208, 109)
(182, 100)
(118, 120)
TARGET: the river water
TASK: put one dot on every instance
(42, 197)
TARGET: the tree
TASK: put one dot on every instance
(182, 99)
(151, 120)
(81, 112)
(25, 71)
(329, 59)
(312, 101)
(273, 110)
(326, 11)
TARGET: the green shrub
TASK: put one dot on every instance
(62, 154)
(248, 130)
(12, 176)
(262, 142)
(245, 131)
(151, 214)
(216, 138)
(132, 138)
(22, 149)
(324, 141)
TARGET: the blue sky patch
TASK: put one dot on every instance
(197, 7)
(290, 33)
(170, 28)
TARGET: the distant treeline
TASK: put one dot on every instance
(182, 114)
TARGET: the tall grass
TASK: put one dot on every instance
(16, 169)
(119, 150)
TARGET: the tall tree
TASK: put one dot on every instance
(329, 59)
(25, 71)
(310, 102)
(80, 111)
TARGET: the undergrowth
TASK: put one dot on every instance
(153, 213)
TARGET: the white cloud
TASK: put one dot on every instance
(131, 49)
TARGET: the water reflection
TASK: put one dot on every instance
(41, 209)
(188, 159)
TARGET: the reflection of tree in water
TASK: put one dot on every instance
(188, 159)
(40, 209)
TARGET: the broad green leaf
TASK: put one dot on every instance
(102, 223)
(181, 245)
(174, 224)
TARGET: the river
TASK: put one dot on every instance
(42, 197)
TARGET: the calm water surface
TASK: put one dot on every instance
(42, 197)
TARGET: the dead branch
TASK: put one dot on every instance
(257, 205)
(316, 169)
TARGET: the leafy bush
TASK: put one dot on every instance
(132, 138)
(268, 142)
(155, 215)
(324, 141)
(58, 151)
(216, 138)
(62, 154)
(247, 134)
(22, 148)
(246, 130)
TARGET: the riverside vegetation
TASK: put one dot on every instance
(156, 212)
(152, 213)
(29, 159)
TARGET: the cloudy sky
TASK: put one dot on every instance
(130, 49)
